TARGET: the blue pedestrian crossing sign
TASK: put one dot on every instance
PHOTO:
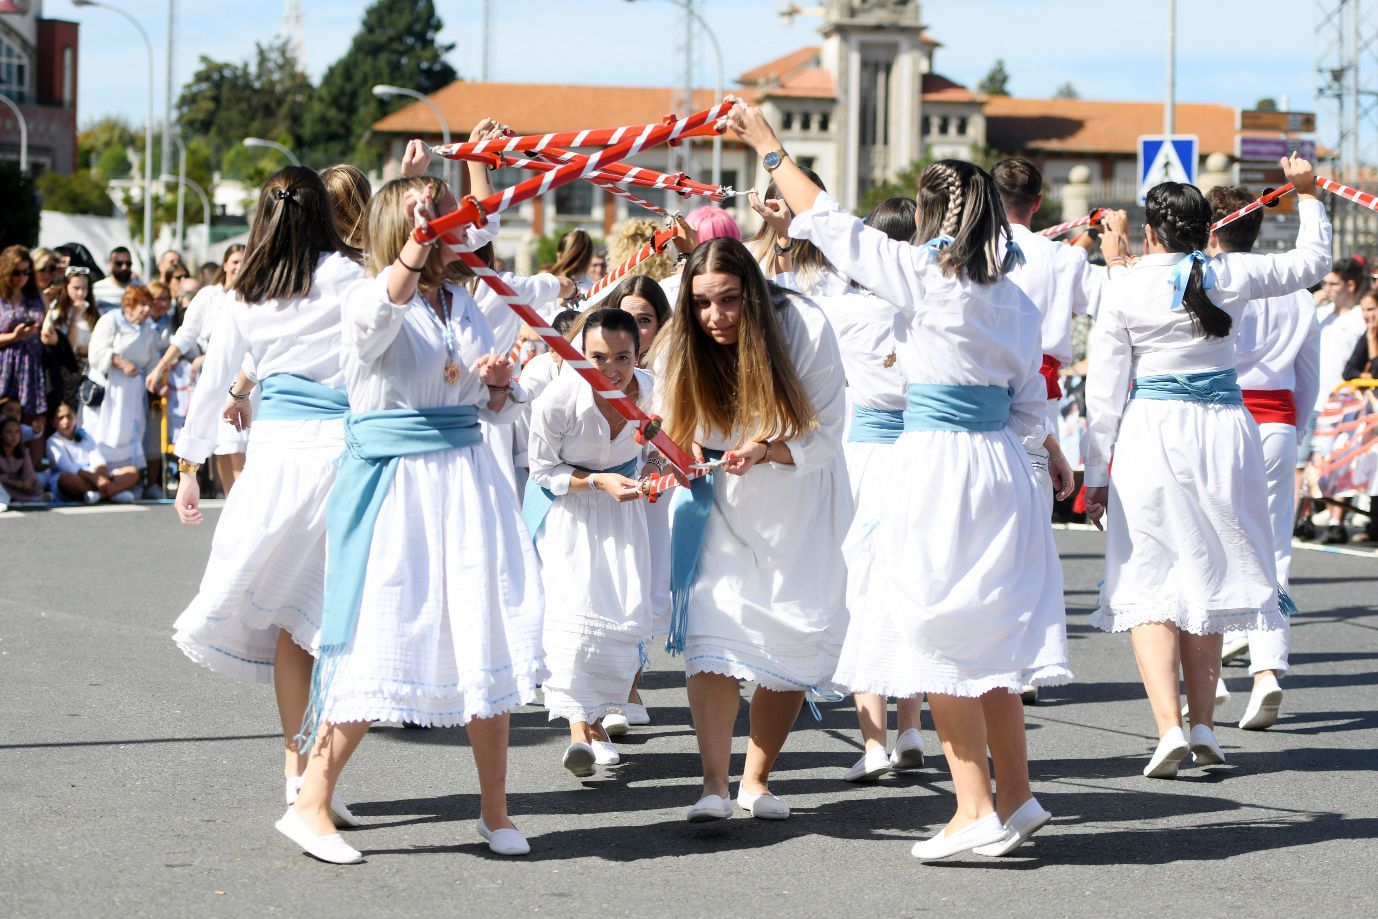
(1166, 158)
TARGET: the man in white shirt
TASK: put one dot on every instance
(109, 290)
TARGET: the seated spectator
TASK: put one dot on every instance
(17, 474)
(82, 473)
(124, 347)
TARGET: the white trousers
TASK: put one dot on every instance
(1268, 650)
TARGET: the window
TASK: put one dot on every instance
(875, 103)
(962, 127)
(943, 124)
(927, 125)
(68, 77)
(574, 199)
(14, 72)
(806, 121)
(789, 121)
(824, 122)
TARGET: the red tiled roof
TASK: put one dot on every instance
(531, 108)
(815, 83)
(1082, 126)
(782, 67)
(940, 89)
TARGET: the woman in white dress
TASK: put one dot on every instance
(749, 375)
(186, 353)
(433, 602)
(1190, 549)
(258, 609)
(124, 345)
(960, 605)
(584, 510)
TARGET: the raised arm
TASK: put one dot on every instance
(1258, 277)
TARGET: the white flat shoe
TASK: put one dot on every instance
(579, 759)
(1172, 749)
(605, 753)
(709, 807)
(1222, 695)
(1205, 749)
(1023, 823)
(330, 848)
(339, 811)
(908, 754)
(506, 841)
(636, 714)
(1236, 643)
(615, 725)
(763, 807)
(1264, 702)
(983, 832)
(874, 764)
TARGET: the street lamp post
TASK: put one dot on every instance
(383, 90)
(272, 145)
(181, 187)
(688, 7)
(183, 181)
(148, 133)
(23, 133)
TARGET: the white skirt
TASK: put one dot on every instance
(658, 532)
(118, 425)
(769, 604)
(954, 583)
(267, 566)
(596, 565)
(450, 621)
(1189, 540)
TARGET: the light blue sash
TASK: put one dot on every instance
(288, 397)
(875, 425)
(537, 502)
(374, 443)
(947, 407)
(689, 511)
(1216, 387)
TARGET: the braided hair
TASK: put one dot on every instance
(1181, 219)
(960, 200)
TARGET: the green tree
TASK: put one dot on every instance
(19, 209)
(223, 103)
(1067, 91)
(996, 82)
(79, 193)
(396, 43)
(103, 135)
(906, 184)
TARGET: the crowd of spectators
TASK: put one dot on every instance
(94, 378)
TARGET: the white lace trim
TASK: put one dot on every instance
(227, 663)
(735, 668)
(522, 693)
(574, 714)
(1050, 675)
(1195, 620)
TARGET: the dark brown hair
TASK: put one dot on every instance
(959, 199)
(752, 387)
(11, 257)
(220, 276)
(1019, 182)
(1241, 234)
(294, 225)
(1181, 219)
(640, 285)
(573, 254)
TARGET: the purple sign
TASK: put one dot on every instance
(1275, 148)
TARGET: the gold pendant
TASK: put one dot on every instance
(451, 372)
(889, 360)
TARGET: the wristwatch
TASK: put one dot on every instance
(773, 159)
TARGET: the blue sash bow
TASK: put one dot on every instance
(875, 425)
(689, 510)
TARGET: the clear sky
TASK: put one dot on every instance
(1234, 53)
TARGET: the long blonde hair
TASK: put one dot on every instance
(388, 229)
(349, 193)
(628, 237)
(752, 387)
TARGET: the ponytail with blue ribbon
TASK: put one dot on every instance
(1181, 276)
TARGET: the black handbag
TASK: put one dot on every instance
(90, 393)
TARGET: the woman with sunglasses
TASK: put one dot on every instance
(21, 315)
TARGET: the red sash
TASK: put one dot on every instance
(1051, 366)
(1271, 406)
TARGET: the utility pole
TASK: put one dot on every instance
(1170, 103)
(167, 97)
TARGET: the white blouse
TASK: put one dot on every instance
(1059, 281)
(1138, 334)
(1278, 347)
(299, 336)
(193, 337)
(865, 329)
(539, 291)
(568, 431)
(950, 330)
(115, 335)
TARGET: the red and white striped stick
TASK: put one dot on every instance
(648, 427)
(1054, 232)
(471, 210)
(1362, 198)
(649, 178)
(590, 138)
(658, 242)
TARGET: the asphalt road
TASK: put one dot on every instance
(134, 783)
